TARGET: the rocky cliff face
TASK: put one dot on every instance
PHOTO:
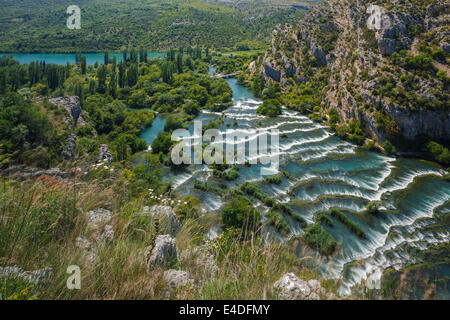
(386, 64)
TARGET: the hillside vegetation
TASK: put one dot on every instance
(377, 88)
(40, 26)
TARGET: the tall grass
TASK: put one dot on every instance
(41, 220)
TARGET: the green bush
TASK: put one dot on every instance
(439, 152)
(348, 223)
(270, 108)
(388, 147)
(276, 179)
(240, 213)
(276, 219)
(323, 218)
(373, 207)
(317, 238)
(162, 143)
(231, 175)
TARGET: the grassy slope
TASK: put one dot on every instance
(40, 222)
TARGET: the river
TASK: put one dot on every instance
(327, 172)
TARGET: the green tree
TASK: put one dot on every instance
(270, 108)
(122, 149)
(240, 213)
(112, 87)
(388, 147)
(121, 74)
(132, 75)
(83, 65)
(167, 72)
(180, 63)
(92, 86)
(101, 75)
(162, 143)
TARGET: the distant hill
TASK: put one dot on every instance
(40, 26)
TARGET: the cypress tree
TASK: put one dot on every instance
(180, 63)
(112, 88)
(106, 58)
(2, 82)
(92, 86)
(133, 56)
(101, 75)
(166, 72)
(132, 75)
(83, 65)
(114, 63)
(141, 55)
(121, 74)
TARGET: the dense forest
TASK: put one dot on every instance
(117, 96)
(40, 26)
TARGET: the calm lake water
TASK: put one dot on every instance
(63, 58)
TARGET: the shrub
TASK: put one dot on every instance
(276, 219)
(388, 147)
(162, 143)
(317, 238)
(231, 175)
(439, 152)
(240, 213)
(173, 122)
(276, 179)
(270, 108)
(323, 218)
(373, 207)
(348, 223)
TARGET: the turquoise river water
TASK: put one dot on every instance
(329, 172)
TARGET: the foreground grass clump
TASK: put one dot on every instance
(248, 268)
(40, 224)
(316, 237)
(276, 219)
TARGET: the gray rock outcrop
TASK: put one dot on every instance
(162, 254)
(71, 104)
(71, 144)
(203, 260)
(164, 217)
(101, 232)
(104, 154)
(35, 277)
(175, 279)
(290, 287)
